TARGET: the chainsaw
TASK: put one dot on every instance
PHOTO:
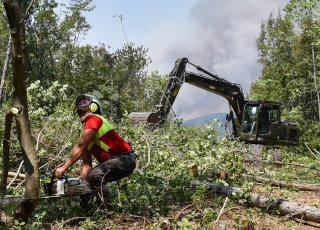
(65, 186)
(62, 187)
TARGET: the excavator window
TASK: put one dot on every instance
(275, 114)
(250, 119)
(265, 115)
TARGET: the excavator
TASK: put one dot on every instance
(253, 121)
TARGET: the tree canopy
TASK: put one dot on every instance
(289, 49)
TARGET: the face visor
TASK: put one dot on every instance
(82, 101)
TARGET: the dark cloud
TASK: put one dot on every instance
(220, 37)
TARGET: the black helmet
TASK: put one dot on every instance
(93, 103)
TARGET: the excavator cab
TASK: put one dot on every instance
(262, 125)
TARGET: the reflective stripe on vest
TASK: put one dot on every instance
(105, 127)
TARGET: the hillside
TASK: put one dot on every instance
(219, 120)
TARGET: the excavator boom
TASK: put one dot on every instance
(212, 83)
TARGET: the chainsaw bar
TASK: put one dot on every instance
(64, 187)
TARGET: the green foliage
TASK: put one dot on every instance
(51, 38)
(240, 224)
(147, 193)
(43, 102)
(153, 87)
(288, 46)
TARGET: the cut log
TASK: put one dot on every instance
(269, 204)
(144, 117)
(13, 174)
(193, 170)
(138, 117)
(284, 184)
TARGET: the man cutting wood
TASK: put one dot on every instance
(100, 140)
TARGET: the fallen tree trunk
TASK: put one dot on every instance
(284, 184)
(269, 204)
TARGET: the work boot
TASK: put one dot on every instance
(85, 203)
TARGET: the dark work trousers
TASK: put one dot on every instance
(115, 168)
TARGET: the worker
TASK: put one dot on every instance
(99, 139)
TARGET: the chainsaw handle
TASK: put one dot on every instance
(63, 177)
(49, 186)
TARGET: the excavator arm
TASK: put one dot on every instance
(212, 83)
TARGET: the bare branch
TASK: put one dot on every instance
(149, 148)
(182, 211)
(15, 177)
(310, 151)
(217, 220)
(38, 138)
(5, 68)
(27, 11)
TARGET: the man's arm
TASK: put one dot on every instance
(86, 165)
(81, 148)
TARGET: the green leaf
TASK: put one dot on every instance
(10, 209)
(180, 223)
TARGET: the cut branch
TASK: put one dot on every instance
(258, 158)
(149, 149)
(17, 175)
(221, 211)
(38, 138)
(6, 149)
(310, 150)
(268, 204)
(13, 174)
(182, 211)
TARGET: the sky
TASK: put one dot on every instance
(218, 35)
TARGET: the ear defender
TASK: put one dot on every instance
(93, 103)
(93, 107)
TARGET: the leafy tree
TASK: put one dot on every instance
(287, 48)
(275, 54)
(52, 37)
(306, 14)
(128, 77)
(154, 85)
(17, 30)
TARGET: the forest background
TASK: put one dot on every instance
(58, 68)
